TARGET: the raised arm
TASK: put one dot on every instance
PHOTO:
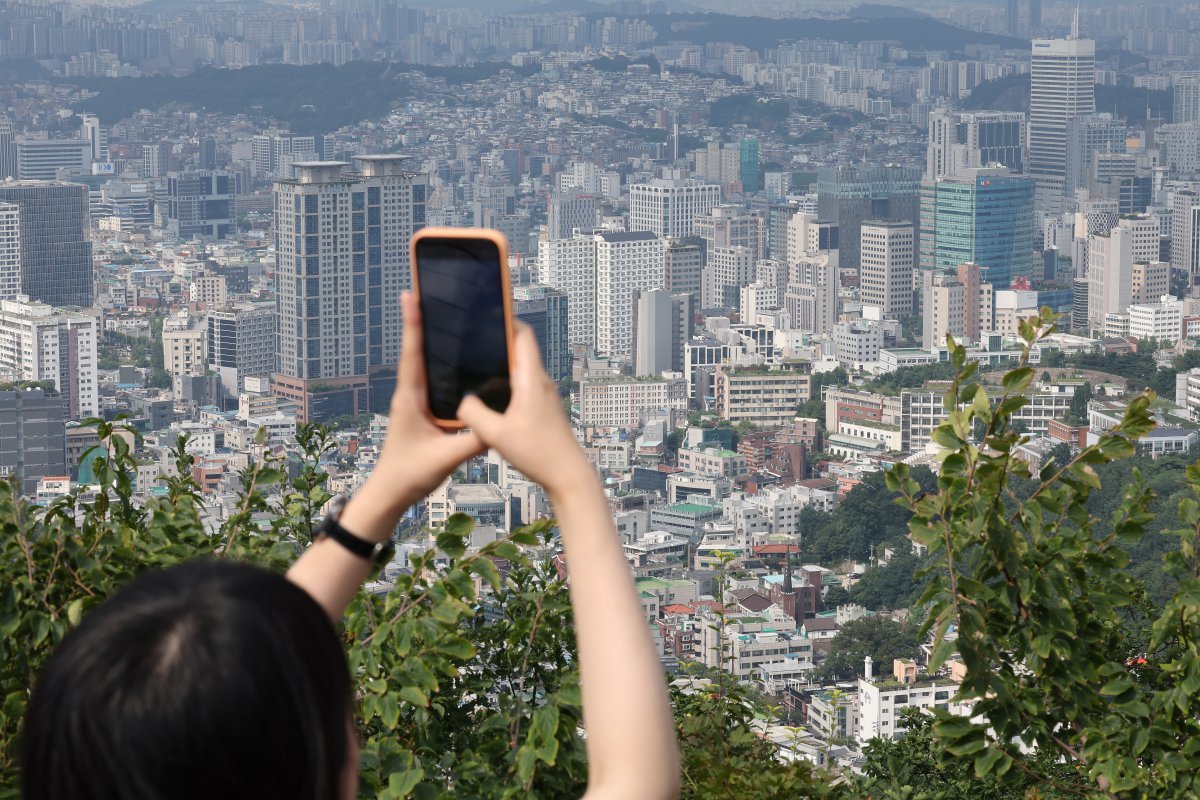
(416, 457)
(630, 734)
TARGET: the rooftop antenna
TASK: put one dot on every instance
(1075, 23)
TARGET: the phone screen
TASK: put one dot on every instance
(462, 319)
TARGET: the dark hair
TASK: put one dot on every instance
(212, 680)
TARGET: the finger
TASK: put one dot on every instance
(461, 447)
(479, 418)
(410, 383)
(529, 368)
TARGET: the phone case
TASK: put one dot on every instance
(497, 238)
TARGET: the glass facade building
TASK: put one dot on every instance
(982, 216)
(56, 255)
(847, 196)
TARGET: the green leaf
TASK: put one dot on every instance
(1017, 381)
(401, 784)
(460, 525)
(413, 695)
(75, 611)
(452, 544)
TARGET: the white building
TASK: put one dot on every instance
(619, 403)
(41, 343)
(811, 297)
(729, 270)
(1063, 87)
(1161, 321)
(668, 207)
(882, 700)
(569, 265)
(857, 342)
(626, 263)
(1110, 275)
(886, 269)
(10, 251)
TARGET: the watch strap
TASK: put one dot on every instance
(377, 553)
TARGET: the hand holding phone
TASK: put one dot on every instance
(460, 278)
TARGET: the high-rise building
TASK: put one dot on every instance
(33, 437)
(728, 270)
(97, 136)
(56, 254)
(1187, 97)
(750, 171)
(274, 154)
(732, 226)
(888, 261)
(242, 344)
(1089, 136)
(200, 204)
(41, 343)
(342, 242)
(41, 159)
(626, 263)
(546, 311)
(958, 303)
(806, 237)
(812, 292)
(10, 251)
(1063, 86)
(961, 139)
(668, 207)
(569, 265)
(1185, 238)
(8, 149)
(1110, 275)
(662, 324)
(1013, 21)
(156, 159)
(981, 216)
(848, 195)
(567, 211)
(1035, 17)
(684, 267)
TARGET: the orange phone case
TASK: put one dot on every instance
(495, 237)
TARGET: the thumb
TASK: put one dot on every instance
(479, 418)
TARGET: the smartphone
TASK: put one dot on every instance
(460, 279)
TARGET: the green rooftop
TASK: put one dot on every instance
(693, 508)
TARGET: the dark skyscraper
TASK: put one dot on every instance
(33, 442)
(1035, 16)
(56, 256)
(201, 204)
(848, 195)
(8, 149)
(1014, 18)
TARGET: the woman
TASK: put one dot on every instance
(220, 680)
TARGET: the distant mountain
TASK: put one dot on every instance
(913, 32)
(880, 11)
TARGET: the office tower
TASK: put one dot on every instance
(886, 274)
(41, 159)
(961, 139)
(1089, 136)
(514, 227)
(719, 163)
(732, 226)
(684, 267)
(1179, 146)
(1187, 97)
(546, 311)
(41, 343)
(1110, 275)
(806, 236)
(848, 195)
(8, 149)
(1063, 87)
(275, 153)
(668, 207)
(97, 136)
(569, 210)
(156, 159)
(1079, 304)
(958, 302)
(662, 324)
(1035, 17)
(1013, 21)
(1185, 238)
(56, 255)
(1150, 281)
(749, 170)
(241, 343)
(206, 153)
(585, 177)
(185, 349)
(33, 437)
(200, 204)
(983, 216)
(10, 251)
(812, 292)
(728, 270)
(342, 262)
(626, 263)
(778, 217)
(569, 265)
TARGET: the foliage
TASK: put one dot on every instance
(1077, 414)
(911, 768)
(910, 378)
(14, 386)
(449, 702)
(879, 636)
(1047, 622)
(748, 110)
(893, 585)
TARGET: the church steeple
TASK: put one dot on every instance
(787, 569)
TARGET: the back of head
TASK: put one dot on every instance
(212, 679)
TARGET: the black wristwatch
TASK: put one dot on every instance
(378, 553)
